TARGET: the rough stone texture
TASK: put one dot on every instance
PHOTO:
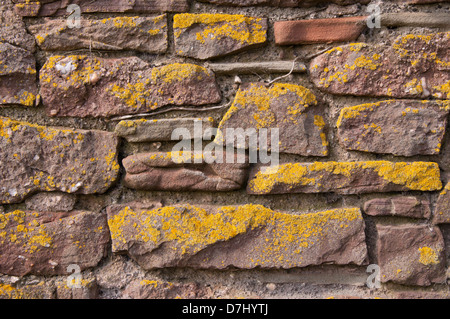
(205, 36)
(45, 8)
(291, 109)
(40, 158)
(87, 86)
(319, 30)
(158, 289)
(88, 289)
(405, 206)
(18, 79)
(283, 3)
(184, 171)
(145, 34)
(344, 177)
(38, 291)
(442, 211)
(51, 202)
(45, 243)
(245, 237)
(399, 127)
(162, 129)
(13, 31)
(412, 255)
(414, 66)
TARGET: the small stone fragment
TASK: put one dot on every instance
(51, 202)
(404, 206)
(143, 130)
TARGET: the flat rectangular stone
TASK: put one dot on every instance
(258, 67)
(38, 158)
(46, 8)
(205, 36)
(183, 171)
(344, 177)
(82, 86)
(411, 254)
(319, 30)
(144, 34)
(244, 237)
(162, 129)
(413, 66)
(404, 206)
(51, 202)
(292, 110)
(399, 127)
(47, 243)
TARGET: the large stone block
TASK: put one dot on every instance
(414, 66)
(245, 237)
(39, 158)
(84, 86)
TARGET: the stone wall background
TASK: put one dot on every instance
(67, 215)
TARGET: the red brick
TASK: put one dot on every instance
(319, 30)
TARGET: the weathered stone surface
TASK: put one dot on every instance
(245, 237)
(205, 36)
(319, 30)
(145, 34)
(87, 86)
(44, 243)
(38, 158)
(159, 289)
(412, 255)
(399, 127)
(344, 177)
(13, 31)
(291, 109)
(283, 3)
(38, 291)
(81, 289)
(442, 211)
(184, 171)
(51, 202)
(161, 130)
(405, 206)
(414, 66)
(18, 79)
(45, 8)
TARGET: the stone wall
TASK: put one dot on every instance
(98, 201)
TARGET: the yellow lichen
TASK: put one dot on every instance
(240, 28)
(190, 228)
(428, 256)
(424, 176)
(178, 72)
